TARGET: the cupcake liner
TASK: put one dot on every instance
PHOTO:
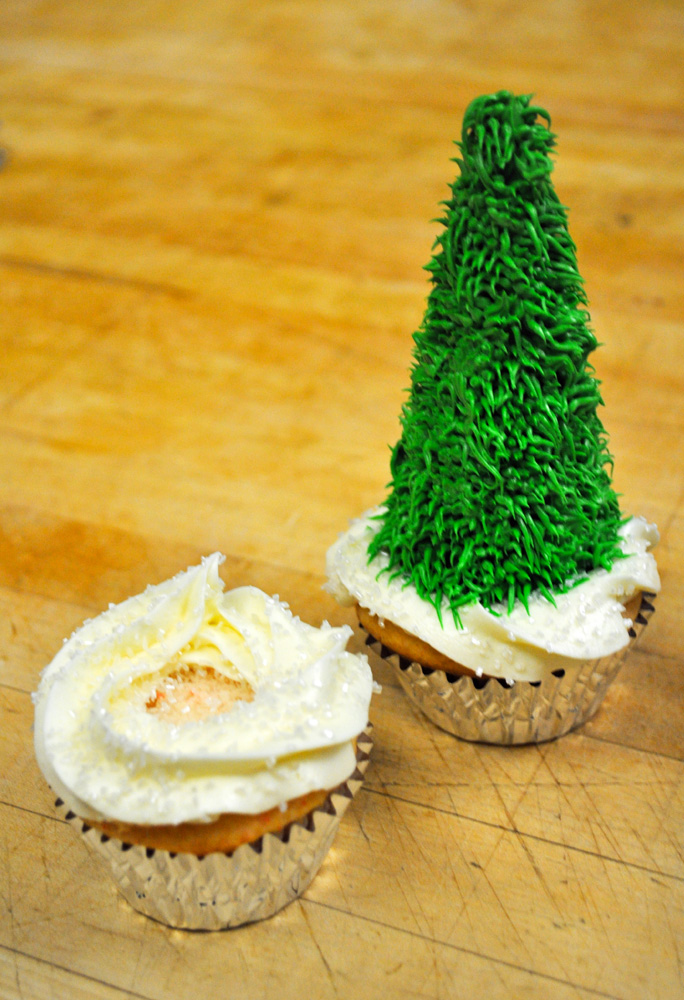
(218, 890)
(490, 710)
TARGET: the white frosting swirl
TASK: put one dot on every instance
(109, 757)
(586, 622)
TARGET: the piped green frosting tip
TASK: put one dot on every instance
(500, 479)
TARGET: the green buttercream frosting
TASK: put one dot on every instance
(500, 480)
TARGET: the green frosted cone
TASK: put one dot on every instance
(500, 480)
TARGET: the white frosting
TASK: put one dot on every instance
(109, 757)
(585, 624)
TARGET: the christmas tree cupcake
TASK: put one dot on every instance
(499, 577)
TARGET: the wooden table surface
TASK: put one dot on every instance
(214, 219)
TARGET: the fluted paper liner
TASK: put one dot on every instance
(225, 890)
(493, 711)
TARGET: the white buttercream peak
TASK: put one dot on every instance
(187, 701)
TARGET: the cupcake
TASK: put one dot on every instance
(499, 576)
(207, 744)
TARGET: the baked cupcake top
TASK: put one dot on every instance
(187, 701)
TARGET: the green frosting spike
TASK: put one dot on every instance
(500, 483)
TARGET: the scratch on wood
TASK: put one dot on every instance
(97, 276)
(331, 978)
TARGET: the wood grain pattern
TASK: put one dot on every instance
(213, 222)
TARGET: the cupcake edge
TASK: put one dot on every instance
(492, 710)
(219, 891)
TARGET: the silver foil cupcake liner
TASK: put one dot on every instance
(490, 710)
(218, 890)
